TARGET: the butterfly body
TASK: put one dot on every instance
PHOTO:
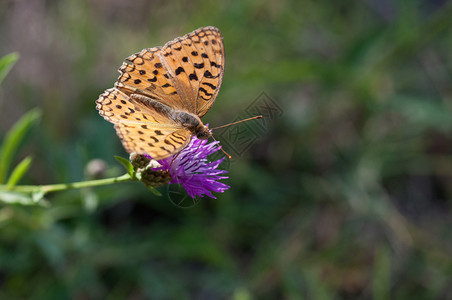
(187, 120)
(158, 100)
(193, 123)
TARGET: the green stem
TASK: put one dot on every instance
(64, 186)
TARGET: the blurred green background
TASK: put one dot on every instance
(345, 195)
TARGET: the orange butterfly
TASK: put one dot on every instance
(162, 93)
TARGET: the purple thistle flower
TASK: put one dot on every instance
(193, 171)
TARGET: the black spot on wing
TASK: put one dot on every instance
(169, 143)
(193, 76)
(210, 85)
(180, 138)
(164, 149)
(198, 66)
(179, 70)
(214, 64)
(207, 74)
(205, 92)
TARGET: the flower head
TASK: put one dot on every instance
(191, 169)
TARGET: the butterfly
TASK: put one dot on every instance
(161, 94)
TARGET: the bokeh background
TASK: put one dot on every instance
(346, 194)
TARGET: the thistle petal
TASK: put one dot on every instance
(191, 169)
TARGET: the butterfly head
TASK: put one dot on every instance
(203, 132)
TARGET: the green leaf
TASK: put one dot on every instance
(241, 293)
(19, 171)
(316, 287)
(126, 164)
(15, 198)
(6, 63)
(37, 196)
(13, 139)
(154, 191)
(422, 113)
(382, 273)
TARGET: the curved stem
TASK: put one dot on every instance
(65, 186)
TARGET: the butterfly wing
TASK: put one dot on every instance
(141, 129)
(158, 143)
(195, 66)
(185, 74)
(143, 73)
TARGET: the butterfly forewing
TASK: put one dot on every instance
(143, 73)
(195, 63)
(184, 75)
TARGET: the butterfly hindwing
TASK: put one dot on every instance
(157, 142)
(116, 106)
(141, 129)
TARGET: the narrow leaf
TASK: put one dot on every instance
(37, 196)
(19, 171)
(382, 274)
(13, 139)
(15, 198)
(6, 63)
(126, 164)
(154, 191)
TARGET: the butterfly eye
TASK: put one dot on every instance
(201, 135)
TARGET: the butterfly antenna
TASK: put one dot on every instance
(244, 120)
(225, 153)
(233, 123)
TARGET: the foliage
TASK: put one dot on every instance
(344, 194)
